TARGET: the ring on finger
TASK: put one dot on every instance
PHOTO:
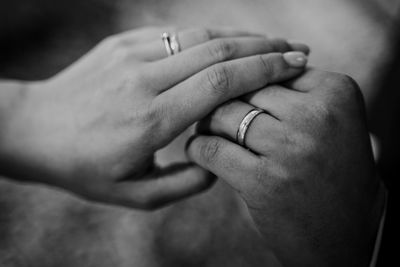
(171, 43)
(175, 45)
(245, 124)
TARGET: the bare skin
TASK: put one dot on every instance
(309, 178)
(94, 128)
(43, 214)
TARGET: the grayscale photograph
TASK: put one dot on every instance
(199, 133)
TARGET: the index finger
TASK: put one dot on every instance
(196, 97)
(155, 50)
(173, 70)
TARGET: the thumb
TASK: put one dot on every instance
(162, 186)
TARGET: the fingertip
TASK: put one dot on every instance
(188, 143)
(295, 59)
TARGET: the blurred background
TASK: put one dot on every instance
(38, 38)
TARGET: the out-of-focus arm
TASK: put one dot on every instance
(378, 240)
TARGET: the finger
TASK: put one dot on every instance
(196, 97)
(276, 99)
(225, 121)
(297, 46)
(172, 70)
(144, 34)
(282, 45)
(162, 187)
(153, 34)
(225, 159)
(155, 49)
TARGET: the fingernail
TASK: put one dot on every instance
(295, 59)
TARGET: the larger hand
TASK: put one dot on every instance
(94, 128)
(309, 180)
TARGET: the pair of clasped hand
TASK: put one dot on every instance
(305, 170)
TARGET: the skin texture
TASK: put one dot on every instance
(95, 127)
(309, 178)
(52, 224)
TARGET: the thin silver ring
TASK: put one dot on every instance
(166, 38)
(175, 45)
(244, 125)
(171, 43)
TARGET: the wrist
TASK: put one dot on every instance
(16, 120)
(12, 94)
(339, 244)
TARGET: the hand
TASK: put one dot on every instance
(309, 180)
(94, 128)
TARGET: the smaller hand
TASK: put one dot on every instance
(309, 179)
(94, 128)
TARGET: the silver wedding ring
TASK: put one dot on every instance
(171, 43)
(244, 125)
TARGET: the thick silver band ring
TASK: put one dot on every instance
(244, 125)
(171, 43)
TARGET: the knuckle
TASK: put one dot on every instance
(345, 80)
(159, 125)
(221, 50)
(280, 45)
(153, 121)
(343, 89)
(116, 49)
(219, 79)
(349, 86)
(210, 150)
(338, 82)
(112, 41)
(268, 66)
(150, 115)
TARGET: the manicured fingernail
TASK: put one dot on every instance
(300, 46)
(295, 59)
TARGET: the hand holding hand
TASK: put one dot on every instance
(94, 128)
(309, 178)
